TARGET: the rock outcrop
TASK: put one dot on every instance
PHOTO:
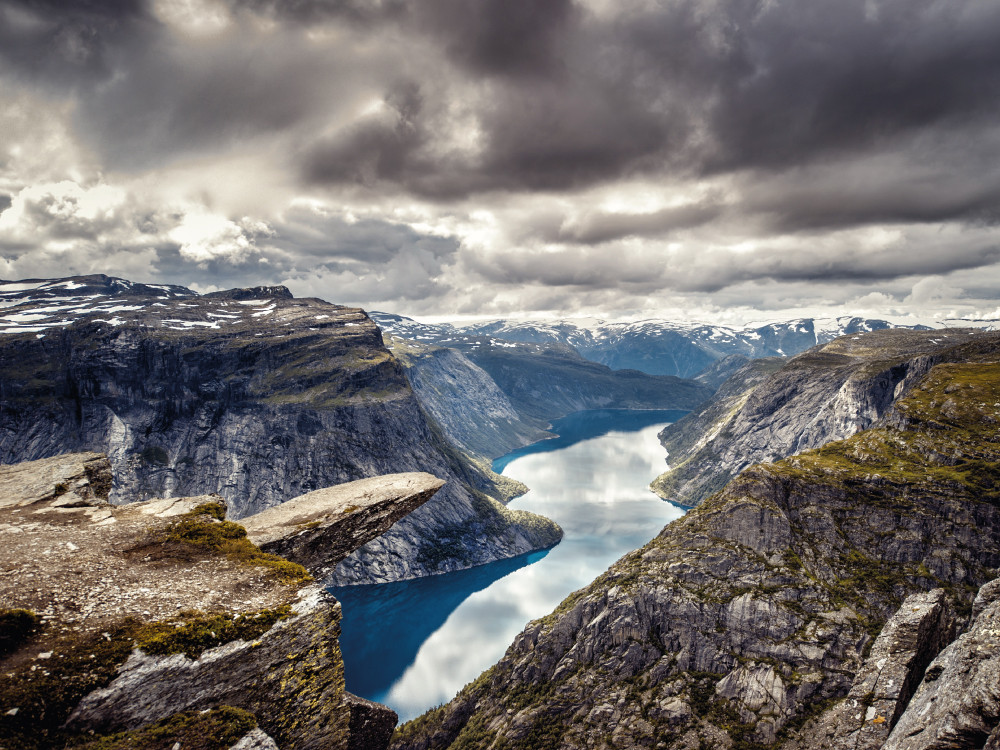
(656, 347)
(772, 408)
(890, 675)
(161, 617)
(755, 611)
(546, 379)
(321, 528)
(958, 702)
(249, 394)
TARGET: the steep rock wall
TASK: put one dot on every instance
(763, 414)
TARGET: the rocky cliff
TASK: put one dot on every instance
(472, 411)
(751, 616)
(159, 622)
(546, 379)
(773, 408)
(247, 393)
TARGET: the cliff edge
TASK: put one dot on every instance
(161, 622)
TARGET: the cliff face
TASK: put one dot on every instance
(160, 620)
(463, 399)
(754, 612)
(248, 393)
(544, 381)
(774, 408)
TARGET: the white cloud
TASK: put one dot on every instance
(204, 236)
(932, 289)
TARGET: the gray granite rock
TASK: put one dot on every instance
(957, 706)
(371, 723)
(911, 638)
(255, 740)
(321, 528)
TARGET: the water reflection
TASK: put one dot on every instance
(414, 644)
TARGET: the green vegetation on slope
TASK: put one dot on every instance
(204, 527)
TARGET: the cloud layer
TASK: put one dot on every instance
(570, 156)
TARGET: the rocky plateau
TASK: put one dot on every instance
(250, 394)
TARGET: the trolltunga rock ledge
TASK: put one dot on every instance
(319, 529)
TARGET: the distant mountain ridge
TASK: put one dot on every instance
(656, 347)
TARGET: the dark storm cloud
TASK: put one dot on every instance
(5, 202)
(67, 43)
(714, 270)
(826, 78)
(597, 227)
(376, 148)
(499, 37)
(176, 100)
(315, 236)
(810, 125)
(692, 88)
(493, 37)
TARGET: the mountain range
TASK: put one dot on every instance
(656, 347)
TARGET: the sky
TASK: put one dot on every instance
(707, 159)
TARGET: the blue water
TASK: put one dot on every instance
(412, 645)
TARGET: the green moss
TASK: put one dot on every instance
(203, 528)
(45, 691)
(16, 627)
(217, 729)
(45, 695)
(191, 633)
(701, 691)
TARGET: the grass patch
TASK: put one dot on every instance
(44, 697)
(45, 691)
(191, 633)
(204, 527)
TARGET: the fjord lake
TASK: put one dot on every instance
(414, 644)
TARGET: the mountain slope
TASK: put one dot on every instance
(774, 408)
(491, 395)
(751, 613)
(544, 381)
(248, 393)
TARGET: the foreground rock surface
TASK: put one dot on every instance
(463, 399)
(890, 675)
(958, 703)
(754, 612)
(120, 618)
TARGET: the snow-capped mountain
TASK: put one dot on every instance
(657, 347)
(42, 306)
